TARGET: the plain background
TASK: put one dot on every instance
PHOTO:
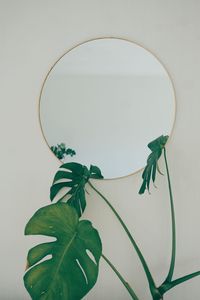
(33, 34)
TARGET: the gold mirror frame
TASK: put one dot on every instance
(101, 38)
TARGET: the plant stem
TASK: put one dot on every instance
(127, 286)
(153, 289)
(173, 253)
(167, 286)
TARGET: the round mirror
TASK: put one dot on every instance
(103, 102)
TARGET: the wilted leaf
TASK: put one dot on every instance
(156, 146)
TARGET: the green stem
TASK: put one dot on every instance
(167, 286)
(127, 286)
(173, 253)
(153, 289)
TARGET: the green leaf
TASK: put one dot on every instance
(95, 172)
(60, 150)
(70, 152)
(156, 147)
(73, 268)
(74, 176)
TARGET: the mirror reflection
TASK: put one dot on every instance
(103, 101)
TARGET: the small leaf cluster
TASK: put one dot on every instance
(61, 151)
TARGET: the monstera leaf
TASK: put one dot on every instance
(149, 172)
(73, 268)
(74, 176)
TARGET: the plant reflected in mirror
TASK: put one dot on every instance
(61, 151)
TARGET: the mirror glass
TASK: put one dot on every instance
(103, 102)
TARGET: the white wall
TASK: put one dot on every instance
(32, 35)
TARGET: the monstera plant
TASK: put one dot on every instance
(72, 269)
